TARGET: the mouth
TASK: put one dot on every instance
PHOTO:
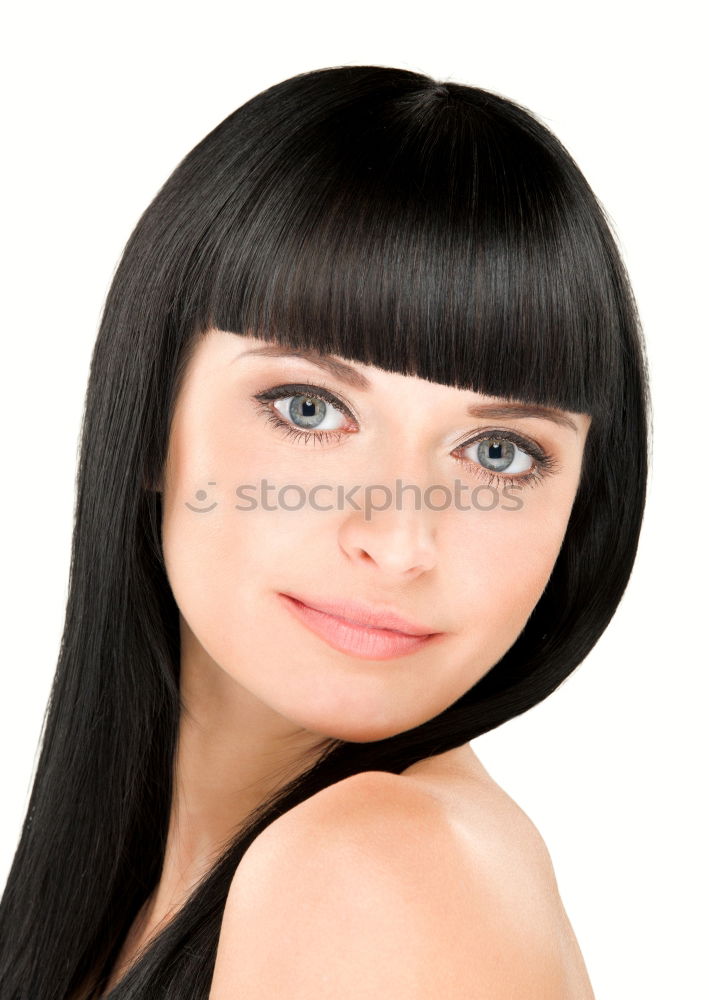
(369, 639)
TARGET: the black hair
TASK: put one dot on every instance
(430, 228)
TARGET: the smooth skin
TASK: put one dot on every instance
(372, 890)
(261, 693)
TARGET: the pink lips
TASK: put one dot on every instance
(355, 629)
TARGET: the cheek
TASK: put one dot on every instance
(215, 563)
(224, 565)
(213, 552)
(502, 561)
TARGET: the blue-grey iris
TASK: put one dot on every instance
(495, 454)
(309, 413)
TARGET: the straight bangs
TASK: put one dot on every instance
(429, 229)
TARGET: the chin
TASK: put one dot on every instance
(362, 730)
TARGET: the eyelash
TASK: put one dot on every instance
(545, 463)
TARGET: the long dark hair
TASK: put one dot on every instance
(432, 229)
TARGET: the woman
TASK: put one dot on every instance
(362, 477)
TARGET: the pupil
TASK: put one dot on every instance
(496, 454)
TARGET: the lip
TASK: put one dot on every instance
(372, 642)
(356, 613)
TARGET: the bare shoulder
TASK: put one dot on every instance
(487, 818)
(373, 888)
(508, 852)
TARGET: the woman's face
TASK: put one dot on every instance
(256, 506)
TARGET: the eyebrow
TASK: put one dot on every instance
(351, 376)
(512, 410)
(329, 364)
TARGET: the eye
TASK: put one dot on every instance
(310, 412)
(306, 412)
(503, 456)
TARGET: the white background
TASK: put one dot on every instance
(101, 101)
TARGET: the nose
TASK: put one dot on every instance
(395, 537)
